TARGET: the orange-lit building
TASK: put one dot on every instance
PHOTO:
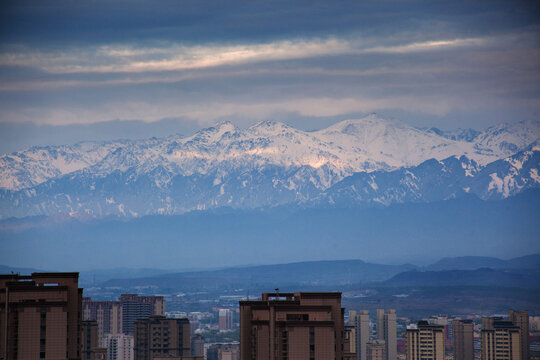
(304, 325)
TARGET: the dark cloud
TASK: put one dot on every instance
(193, 21)
(308, 63)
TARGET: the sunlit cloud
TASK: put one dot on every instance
(122, 59)
(428, 46)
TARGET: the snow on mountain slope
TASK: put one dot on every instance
(267, 164)
(366, 144)
(507, 139)
(36, 165)
(381, 144)
(438, 180)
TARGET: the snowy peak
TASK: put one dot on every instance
(367, 160)
(214, 134)
(367, 144)
(507, 139)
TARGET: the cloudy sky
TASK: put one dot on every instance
(187, 64)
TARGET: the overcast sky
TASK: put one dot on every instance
(429, 63)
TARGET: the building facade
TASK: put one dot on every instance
(91, 349)
(463, 333)
(225, 319)
(197, 345)
(158, 336)
(107, 314)
(425, 342)
(40, 316)
(521, 320)
(362, 334)
(136, 307)
(120, 347)
(292, 326)
(375, 350)
(501, 339)
(386, 330)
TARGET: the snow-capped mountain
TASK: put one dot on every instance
(267, 164)
(435, 180)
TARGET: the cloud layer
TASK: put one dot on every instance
(429, 64)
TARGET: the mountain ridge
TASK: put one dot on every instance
(267, 164)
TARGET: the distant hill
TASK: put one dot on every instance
(478, 277)
(456, 271)
(477, 262)
(347, 272)
(314, 273)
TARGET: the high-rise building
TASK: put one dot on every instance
(229, 353)
(157, 303)
(89, 338)
(108, 315)
(501, 339)
(362, 334)
(351, 319)
(91, 349)
(40, 316)
(521, 320)
(225, 319)
(120, 347)
(425, 342)
(293, 326)
(197, 345)
(375, 350)
(159, 336)
(463, 333)
(136, 307)
(380, 324)
(349, 343)
(386, 330)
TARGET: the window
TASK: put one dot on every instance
(42, 355)
(298, 317)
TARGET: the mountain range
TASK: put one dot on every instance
(450, 271)
(364, 161)
(459, 271)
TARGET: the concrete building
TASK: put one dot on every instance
(108, 315)
(375, 350)
(231, 353)
(40, 316)
(362, 334)
(521, 320)
(136, 307)
(157, 303)
(349, 343)
(159, 336)
(425, 342)
(120, 347)
(91, 349)
(501, 339)
(463, 333)
(225, 319)
(197, 345)
(386, 330)
(292, 326)
(118, 317)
